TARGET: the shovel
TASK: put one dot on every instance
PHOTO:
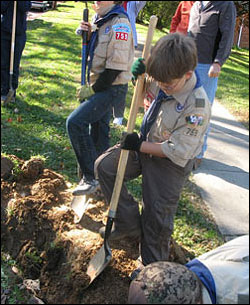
(80, 203)
(11, 90)
(103, 257)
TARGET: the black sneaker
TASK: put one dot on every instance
(86, 187)
(116, 235)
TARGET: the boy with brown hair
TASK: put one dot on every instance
(111, 55)
(171, 136)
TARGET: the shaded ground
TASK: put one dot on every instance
(38, 231)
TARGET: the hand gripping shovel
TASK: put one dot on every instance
(12, 50)
(103, 257)
(80, 203)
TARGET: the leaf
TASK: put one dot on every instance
(19, 119)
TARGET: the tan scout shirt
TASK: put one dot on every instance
(181, 123)
(115, 50)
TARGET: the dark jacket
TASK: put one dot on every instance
(7, 11)
(213, 30)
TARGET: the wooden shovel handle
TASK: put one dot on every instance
(138, 95)
(13, 38)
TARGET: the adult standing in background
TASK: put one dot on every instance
(7, 8)
(133, 8)
(180, 20)
(212, 25)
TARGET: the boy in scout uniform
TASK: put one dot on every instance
(171, 136)
(111, 54)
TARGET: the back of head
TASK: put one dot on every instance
(165, 283)
(172, 56)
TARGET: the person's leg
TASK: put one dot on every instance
(210, 85)
(127, 220)
(119, 106)
(78, 124)
(19, 47)
(5, 63)
(162, 184)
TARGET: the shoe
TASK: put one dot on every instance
(197, 163)
(118, 121)
(4, 97)
(116, 235)
(86, 187)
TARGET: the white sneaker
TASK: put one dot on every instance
(118, 121)
(86, 187)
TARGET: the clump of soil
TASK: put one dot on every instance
(38, 231)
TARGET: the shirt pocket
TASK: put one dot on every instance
(102, 46)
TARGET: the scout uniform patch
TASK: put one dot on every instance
(195, 120)
(121, 31)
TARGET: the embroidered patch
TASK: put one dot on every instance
(121, 28)
(200, 103)
(195, 120)
(193, 132)
(179, 107)
(107, 30)
(121, 36)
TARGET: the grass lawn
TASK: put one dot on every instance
(35, 124)
(233, 88)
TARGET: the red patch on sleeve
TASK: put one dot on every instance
(121, 36)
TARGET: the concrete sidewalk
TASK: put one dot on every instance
(223, 177)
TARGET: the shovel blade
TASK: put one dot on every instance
(79, 205)
(99, 262)
(9, 96)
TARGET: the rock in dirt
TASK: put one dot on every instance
(6, 167)
(32, 168)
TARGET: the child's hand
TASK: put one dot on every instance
(85, 26)
(138, 68)
(84, 92)
(131, 141)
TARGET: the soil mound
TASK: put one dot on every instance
(38, 231)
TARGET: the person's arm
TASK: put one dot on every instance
(226, 27)
(132, 141)
(105, 80)
(176, 19)
(154, 149)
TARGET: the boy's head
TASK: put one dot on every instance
(165, 283)
(101, 7)
(172, 61)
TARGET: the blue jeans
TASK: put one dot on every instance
(20, 42)
(88, 127)
(210, 85)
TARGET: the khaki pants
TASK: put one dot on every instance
(162, 182)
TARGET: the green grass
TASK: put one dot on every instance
(233, 89)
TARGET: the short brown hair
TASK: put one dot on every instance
(172, 57)
(118, 2)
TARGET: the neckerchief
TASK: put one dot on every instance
(152, 113)
(100, 21)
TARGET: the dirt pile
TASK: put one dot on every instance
(38, 231)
